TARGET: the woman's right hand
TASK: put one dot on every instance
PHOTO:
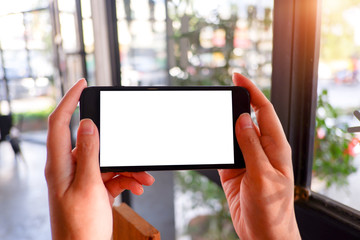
(261, 196)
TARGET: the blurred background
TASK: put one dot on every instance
(45, 46)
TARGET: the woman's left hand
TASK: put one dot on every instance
(80, 197)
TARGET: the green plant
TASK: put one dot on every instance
(205, 193)
(33, 115)
(208, 49)
(333, 160)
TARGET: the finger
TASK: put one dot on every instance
(267, 119)
(143, 178)
(87, 153)
(279, 157)
(255, 158)
(118, 184)
(58, 139)
(228, 174)
(272, 136)
(107, 176)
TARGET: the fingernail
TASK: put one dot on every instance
(233, 76)
(245, 121)
(152, 178)
(86, 127)
(236, 73)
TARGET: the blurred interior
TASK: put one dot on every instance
(46, 46)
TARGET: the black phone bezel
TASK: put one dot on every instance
(90, 108)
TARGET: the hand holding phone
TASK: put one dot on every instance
(166, 128)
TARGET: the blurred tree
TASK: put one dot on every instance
(337, 33)
(204, 46)
(333, 159)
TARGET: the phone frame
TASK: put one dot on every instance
(90, 108)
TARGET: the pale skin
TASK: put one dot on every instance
(80, 197)
(260, 197)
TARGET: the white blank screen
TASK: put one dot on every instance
(150, 128)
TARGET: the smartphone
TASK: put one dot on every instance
(166, 128)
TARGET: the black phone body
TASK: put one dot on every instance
(166, 128)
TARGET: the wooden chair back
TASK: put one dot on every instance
(128, 225)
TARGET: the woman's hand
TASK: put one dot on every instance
(80, 197)
(261, 196)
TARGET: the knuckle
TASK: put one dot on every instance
(251, 139)
(54, 119)
(47, 173)
(286, 149)
(51, 118)
(85, 146)
(267, 142)
(269, 105)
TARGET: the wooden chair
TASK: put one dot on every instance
(128, 225)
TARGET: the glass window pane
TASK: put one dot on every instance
(142, 42)
(21, 5)
(15, 63)
(336, 155)
(41, 63)
(2, 93)
(73, 69)
(90, 68)
(206, 42)
(1, 67)
(86, 8)
(28, 90)
(88, 32)
(38, 30)
(199, 42)
(66, 6)
(68, 31)
(212, 40)
(20, 88)
(12, 32)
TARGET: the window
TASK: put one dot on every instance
(198, 51)
(294, 95)
(88, 36)
(142, 42)
(74, 39)
(336, 159)
(193, 43)
(26, 73)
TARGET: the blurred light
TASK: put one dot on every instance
(176, 25)
(330, 122)
(175, 71)
(28, 83)
(321, 112)
(219, 38)
(206, 36)
(4, 107)
(238, 52)
(195, 61)
(42, 82)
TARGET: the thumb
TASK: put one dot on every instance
(87, 152)
(249, 142)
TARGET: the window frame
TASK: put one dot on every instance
(5, 78)
(296, 45)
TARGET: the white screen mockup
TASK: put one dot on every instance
(151, 128)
